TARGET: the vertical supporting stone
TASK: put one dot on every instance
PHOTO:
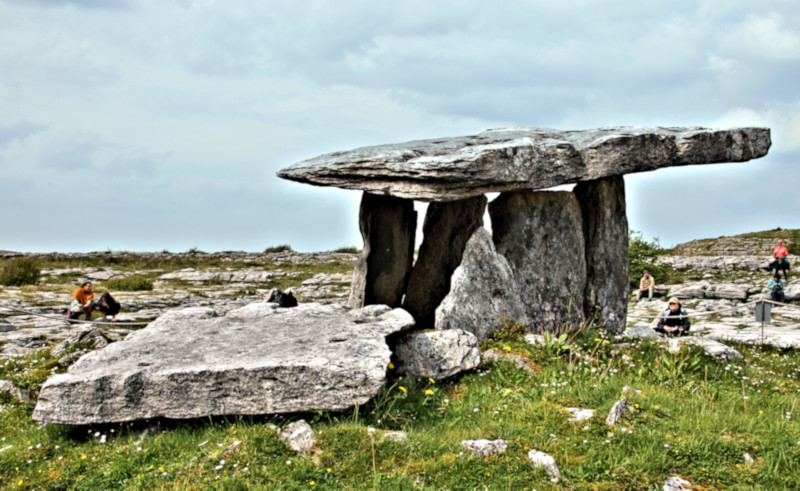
(388, 226)
(541, 236)
(605, 229)
(448, 226)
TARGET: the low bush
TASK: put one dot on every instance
(280, 248)
(20, 271)
(130, 284)
(347, 250)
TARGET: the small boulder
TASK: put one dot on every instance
(299, 436)
(713, 348)
(438, 354)
(639, 332)
(617, 411)
(676, 483)
(94, 337)
(15, 392)
(395, 436)
(579, 414)
(541, 459)
(485, 448)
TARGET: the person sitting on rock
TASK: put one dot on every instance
(780, 254)
(108, 306)
(775, 287)
(82, 302)
(674, 321)
(646, 284)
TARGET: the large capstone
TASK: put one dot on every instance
(483, 292)
(448, 226)
(259, 359)
(388, 226)
(605, 231)
(509, 159)
(541, 236)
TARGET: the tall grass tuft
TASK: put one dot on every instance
(20, 271)
(130, 284)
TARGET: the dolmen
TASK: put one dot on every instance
(553, 259)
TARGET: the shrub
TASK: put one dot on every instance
(20, 271)
(793, 243)
(280, 248)
(347, 250)
(644, 255)
(130, 284)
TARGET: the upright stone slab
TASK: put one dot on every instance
(388, 226)
(605, 230)
(541, 236)
(448, 227)
(482, 291)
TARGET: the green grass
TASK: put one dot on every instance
(691, 418)
(19, 271)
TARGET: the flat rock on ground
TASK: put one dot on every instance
(257, 359)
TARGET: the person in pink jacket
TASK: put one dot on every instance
(780, 254)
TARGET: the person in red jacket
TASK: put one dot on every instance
(780, 254)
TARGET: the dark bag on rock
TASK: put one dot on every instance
(283, 299)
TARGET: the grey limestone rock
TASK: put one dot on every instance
(579, 414)
(523, 158)
(21, 395)
(639, 332)
(541, 459)
(482, 291)
(299, 436)
(713, 348)
(726, 291)
(388, 226)
(448, 226)
(257, 359)
(605, 231)
(541, 236)
(438, 354)
(677, 483)
(485, 448)
(395, 436)
(617, 411)
(93, 336)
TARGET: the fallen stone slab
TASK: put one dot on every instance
(508, 159)
(485, 448)
(438, 354)
(258, 359)
(639, 332)
(299, 436)
(713, 348)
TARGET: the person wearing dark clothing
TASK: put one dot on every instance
(108, 306)
(775, 287)
(674, 320)
(781, 253)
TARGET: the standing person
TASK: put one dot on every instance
(781, 262)
(775, 287)
(82, 302)
(674, 320)
(108, 306)
(646, 284)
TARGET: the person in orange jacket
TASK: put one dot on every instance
(82, 302)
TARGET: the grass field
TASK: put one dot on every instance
(689, 415)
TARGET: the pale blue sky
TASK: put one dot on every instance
(150, 125)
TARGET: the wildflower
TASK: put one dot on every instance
(431, 380)
(429, 392)
(597, 340)
(475, 410)
(507, 348)
(370, 430)
(288, 462)
(391, 366)
(403, 389)
(666, 445)
(585, 427)
(83, 457)
(760, 412)
(311, 483)
(329, 470)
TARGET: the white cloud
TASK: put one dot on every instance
(782, 118)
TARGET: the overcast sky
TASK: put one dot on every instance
(150, 125)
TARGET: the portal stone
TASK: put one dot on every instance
(541, 236)
(448, 227)
(483, 292)
(388, 226)
(605, 230)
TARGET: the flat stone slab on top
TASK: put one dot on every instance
(258, 359)
(523, 158)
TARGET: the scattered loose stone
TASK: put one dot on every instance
(17, 393)
(541, 459)
(438, 354)
(299, 436)
(617, 411)
(579, 414)
(713, 348)
(491, 355)
(233, 446)
(676, 483)
(395, 436)
(485, 448)
(93, 336)
(748, 460)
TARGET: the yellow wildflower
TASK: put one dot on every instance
(429, 392)
(391, 366)
(403, 389)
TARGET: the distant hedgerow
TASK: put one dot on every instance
(130, 284)
(20, 271)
